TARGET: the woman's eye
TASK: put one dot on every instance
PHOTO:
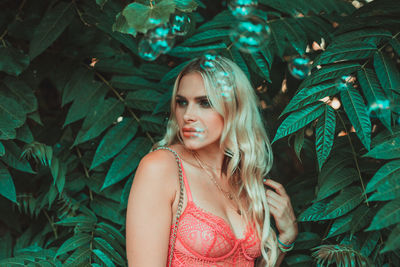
(181, 102)
(205, 103)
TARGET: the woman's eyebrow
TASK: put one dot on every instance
(196, 98)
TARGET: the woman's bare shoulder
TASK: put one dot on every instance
(160, 164)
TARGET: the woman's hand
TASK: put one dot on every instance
(282, 211)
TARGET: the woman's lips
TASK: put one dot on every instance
(191, 131)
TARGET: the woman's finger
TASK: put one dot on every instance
(275, 185)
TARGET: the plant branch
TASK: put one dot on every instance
(51, 223)
(354, 156)
(122, 100)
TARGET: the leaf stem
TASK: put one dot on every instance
(122, 100)
(354, 156)
(51, 223)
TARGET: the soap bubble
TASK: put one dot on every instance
(160, 38)
(146, 50)
(345, 82)
(378, 108)
(300, 66)
(249, 34)
(209, 60)
(180, 24)
(225, 85)
(242, 8)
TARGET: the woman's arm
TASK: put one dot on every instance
(149, 212)
(282, 211)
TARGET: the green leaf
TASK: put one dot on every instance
(306, 240)
(133, 83)
(103, 257)
(396, 45)
(329, 72)
(73, 221)
(375, 96)
(262, 64)
(141, 17)
(347, 51)
(114, 140)
(186, 5)
(50, 28)
(370, 243)
(387, 73)
(104, 246)
(299, 142)
(357, 113)
(340, 225)
(295, 34)
(388, 149)
(325, 133)
(314, 213)
(80, 256)
(151, 123)
(13, 61)
(393, 241)
(362, 217)
(92, 94)
(12, 115)
(144, 100)
(347, 200)
(78, 240)
(107, 209)
(361, 35)
(224, 19)
(191, 52)
(207, 37)
(299, 260)
(112, 231)
(73, 88)
(299, 119)
(24, 134)
(2, 149)
(389, 214)
(390, 169)
(172, 74)
(12, 158)
(310, 95)
(119, 64)
(339, 159)
(121, 25)
(388, 189)
(127, 161)
(99, 118)
(335, 181)
(7, 188)
(239, 60)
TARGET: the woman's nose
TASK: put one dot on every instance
(190, 113)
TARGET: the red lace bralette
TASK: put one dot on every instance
(205, 239)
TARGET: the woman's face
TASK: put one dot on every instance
(199, 125)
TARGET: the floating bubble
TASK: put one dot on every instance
(146, 50)
(180, 24)
(161, 39)
(224, 85)
(345, 82)
(378, 108)
(209, 60)
(249, 34)
(241, 8)
(300, 66)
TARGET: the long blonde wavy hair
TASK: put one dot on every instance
(248, 153)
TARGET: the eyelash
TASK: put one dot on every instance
(203, 103)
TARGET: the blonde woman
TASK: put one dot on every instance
(217, 213)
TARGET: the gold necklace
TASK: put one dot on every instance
(226, 193)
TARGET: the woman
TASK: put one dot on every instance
(216, 136)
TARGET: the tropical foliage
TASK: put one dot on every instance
(79, 108)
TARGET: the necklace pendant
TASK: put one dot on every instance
(239, 212)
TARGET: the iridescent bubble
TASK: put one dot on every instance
(300, 66)
(345, 82)
(146, 50)
(161, 38)
(180, 24)
(242, 8)
(249, 34)
(224, 85)
(209, 60)
(378, 108)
